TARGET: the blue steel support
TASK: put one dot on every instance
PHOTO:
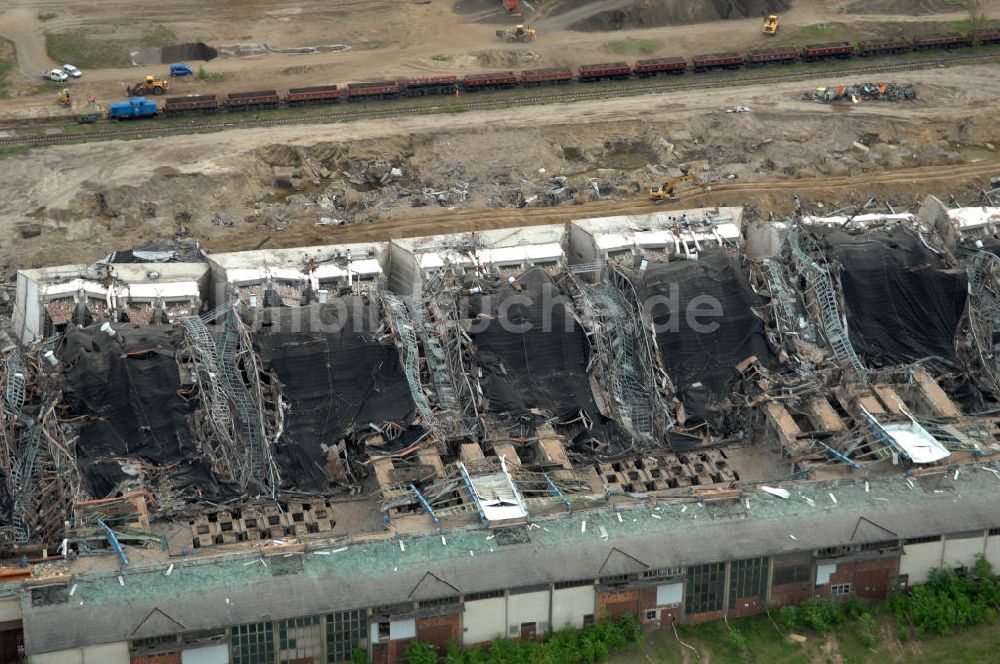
(842, 457)
(427, 505)
(556, 492)
(113, 541)
(472, 494)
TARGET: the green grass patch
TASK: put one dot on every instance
(967, 25)
(81, 48)
(632, 46)
(8, 57)
(46, 16)
(209, 76)
(818, 30)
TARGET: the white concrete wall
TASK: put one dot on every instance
(404, 272)
(484, 619)
(919, 559)
(958, 552)
(27, 317)
(993, 552)
(208, 655)
(109, 653)
(570, 605)
(581, 246)
(10, 609)
(526, 608)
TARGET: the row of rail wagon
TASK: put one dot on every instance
(446, 85)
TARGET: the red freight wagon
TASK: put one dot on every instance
(646, 68)
(717, 61)
(989, 37)
(191, 104)
(534, 77)
(820, 51)
(430, 85)
(949, 40)
(764, 56)
(373, 90)
(494, 80)
(252, 101)
(880, 46)
(607, 72)
(317, 94)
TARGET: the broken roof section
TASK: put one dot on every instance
(341, 378)
(904, 300)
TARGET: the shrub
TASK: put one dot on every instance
(867, 631)
(421, 653)
(737, 640)
(788, 617)
(820, 614)
(359, 656)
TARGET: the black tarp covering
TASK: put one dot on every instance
(127, 386)
(335, 377)
(533, 354)
(702, 364)
(904, 302)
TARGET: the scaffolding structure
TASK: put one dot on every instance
(827, 312)
(242, 427)
(623, 355)
(37, 463)
(983, 269)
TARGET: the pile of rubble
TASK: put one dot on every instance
(862, 92)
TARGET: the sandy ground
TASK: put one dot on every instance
(396, 38)
(222, 188)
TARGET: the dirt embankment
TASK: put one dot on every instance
(605, 16)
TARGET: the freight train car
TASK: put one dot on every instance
(204, 104)
(492, 81)
(237, 102)
(372, 90)
(552, 75)
(611, 71)
(949, 40)
(988, 37)
(430, 85)
(657, 66)
(771, 56)
(316, 94)
(712, 61)
(813, 52)
(883, 47)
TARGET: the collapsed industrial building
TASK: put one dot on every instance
(165, 405)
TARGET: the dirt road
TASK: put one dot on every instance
(21, 26)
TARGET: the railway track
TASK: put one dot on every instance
(150, 129)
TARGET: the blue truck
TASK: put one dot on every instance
(180, 69)
(136, 107)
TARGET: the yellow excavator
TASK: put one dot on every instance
(771, 25)
(63, 97)
(666, 191)
(149, 85)
(519, 33)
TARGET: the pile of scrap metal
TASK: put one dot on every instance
(859, 92)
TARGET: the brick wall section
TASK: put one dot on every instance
(695, 618)
(167, 658)
(791, 594)
(870, 579)
(439, 630)
(396, 650)
(748, 606)
(615, 604)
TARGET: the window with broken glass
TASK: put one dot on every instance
(748, 578)
(705, 588)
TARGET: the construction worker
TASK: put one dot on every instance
(90, 101)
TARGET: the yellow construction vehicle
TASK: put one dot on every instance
(771, 25)
(519, 33)
(150, 85)
(63, 97)
(665, 192)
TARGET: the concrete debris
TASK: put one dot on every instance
(859, 92)
(738, 109)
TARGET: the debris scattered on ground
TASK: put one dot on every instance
(738, 109)
(859, 92)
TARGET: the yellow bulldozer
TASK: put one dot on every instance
(667, 190)
(519, 33)
(771, 25)
(63, 97)
(149, 85)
